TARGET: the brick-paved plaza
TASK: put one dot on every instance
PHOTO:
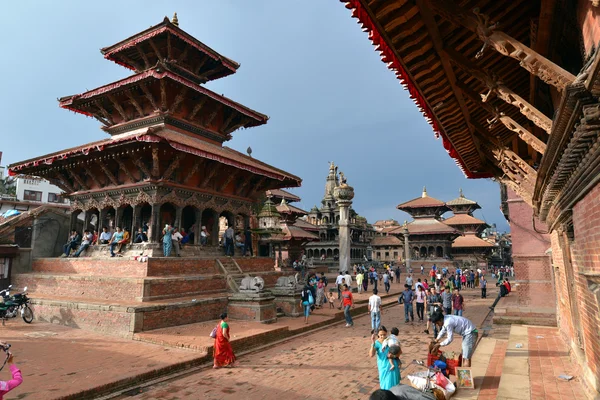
(330, 363)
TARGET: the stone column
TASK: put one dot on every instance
(198, 226)
(101, 219)
(118, 215)
(406, 245)
(344, 195)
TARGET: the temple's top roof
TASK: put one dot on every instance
(470, 241)
(167, 41)
(301, 223)
(422, 202)
(283, 194)
(461, 200)
(386, 241)
(286, 208)
(426, 226)
(463, 219)
(178, 141)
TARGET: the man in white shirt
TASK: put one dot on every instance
(375, 310)
(176, 238)
(339, 281)
(409, 280)
(348, 280)
(104, 236)
(450, 324)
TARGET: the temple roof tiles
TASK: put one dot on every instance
(386, 241)
(425, 226)
(301, 223)
(283, 194)
(470, 241)
(463, 219)
(286, 208)
(295, 232)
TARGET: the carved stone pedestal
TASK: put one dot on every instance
(287, 299)
(252, 306)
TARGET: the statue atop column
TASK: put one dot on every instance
(343, 195)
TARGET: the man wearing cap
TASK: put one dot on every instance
(451, 324)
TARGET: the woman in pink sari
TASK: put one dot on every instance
(223, 352)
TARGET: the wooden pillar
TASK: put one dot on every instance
(86, 217)
(197, 226)
(73, 221)
(154, 228)
(118, 215)
(215, 230)
(101, 219)
(137, 210)
(178, 212)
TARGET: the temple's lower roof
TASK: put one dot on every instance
(386, 241)
(470, 241)
(294, 232)
(178, 141)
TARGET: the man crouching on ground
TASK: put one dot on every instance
(450, 324)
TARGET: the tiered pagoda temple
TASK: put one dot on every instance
(429, 238)
(164, 161)
(470, 247)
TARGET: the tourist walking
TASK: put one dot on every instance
(339, 281)
(458, 303)
(365, 279)
(409, 281)
(347, 302)
(483, 285)
(398, 274)
(386, 281)
(451, 324)
(420, 300)
(167, 240)
(320, 293)
(359, 281)
(348, 280)
(307, 300)
(229, 237)
(375, 310)
(387, 378)
(176, 237)
(446, 296)
(223, 352)
(434, 304)
(406, 298)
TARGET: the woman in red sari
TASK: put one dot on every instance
(223, 352)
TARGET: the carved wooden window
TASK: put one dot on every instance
(32, 195)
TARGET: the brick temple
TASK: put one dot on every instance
(512, 90)
(164, 162)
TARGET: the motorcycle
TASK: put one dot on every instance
(13, 304)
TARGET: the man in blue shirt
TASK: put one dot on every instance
(407, 297)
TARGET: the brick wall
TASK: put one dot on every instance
(586, 266)
(169, 316)
(167, 288)
(90, 266)
(533, 270)
(256, 264)
(565, 322)
(166, 267)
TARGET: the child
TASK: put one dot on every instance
(330, 300)
(394, 345)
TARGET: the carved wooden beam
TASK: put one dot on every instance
(197, 108)
(209, 175)
(193, 170)
(92, 176)
(77, 178)
(135, 103)
(129, 61)
(259, 187)
(499, 89)
(233, 127)
(65, 182)
(173, 166)
(108, 174)
(102, 120)
(200, 65)
(140, 164)
(104, 113)
(211, 116)
(178, 99)
(143, 55)
(523, 133)
(228, 179)
(519, 168)
(124, 168)
(227, 121)
(149, 96)
(163, 95)
(169, 48)
(155, 48)
(438, 45)
(155, 162)
(117, 107)
(504, 44)
(184, 55)
(518, 189)
(242, 186)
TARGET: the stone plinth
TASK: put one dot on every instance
(252, 306)
(343, 195)
(287, 299)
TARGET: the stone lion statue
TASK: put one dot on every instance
(286, 281)
(255, 284)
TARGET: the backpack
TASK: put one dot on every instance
(311, 301)
(325, 280)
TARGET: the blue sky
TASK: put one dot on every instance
(307, 65)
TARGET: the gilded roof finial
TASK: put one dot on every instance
(424, 192)
(174, 20)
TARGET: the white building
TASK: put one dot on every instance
(38, 190)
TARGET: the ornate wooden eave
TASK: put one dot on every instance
(417, 42)
(572, 161)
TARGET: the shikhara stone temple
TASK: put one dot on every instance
(164, 162)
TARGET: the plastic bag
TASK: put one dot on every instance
(213, 334)
(418, 380)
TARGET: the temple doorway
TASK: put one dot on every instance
(167, 215)
(188, 218)
(211, 221)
